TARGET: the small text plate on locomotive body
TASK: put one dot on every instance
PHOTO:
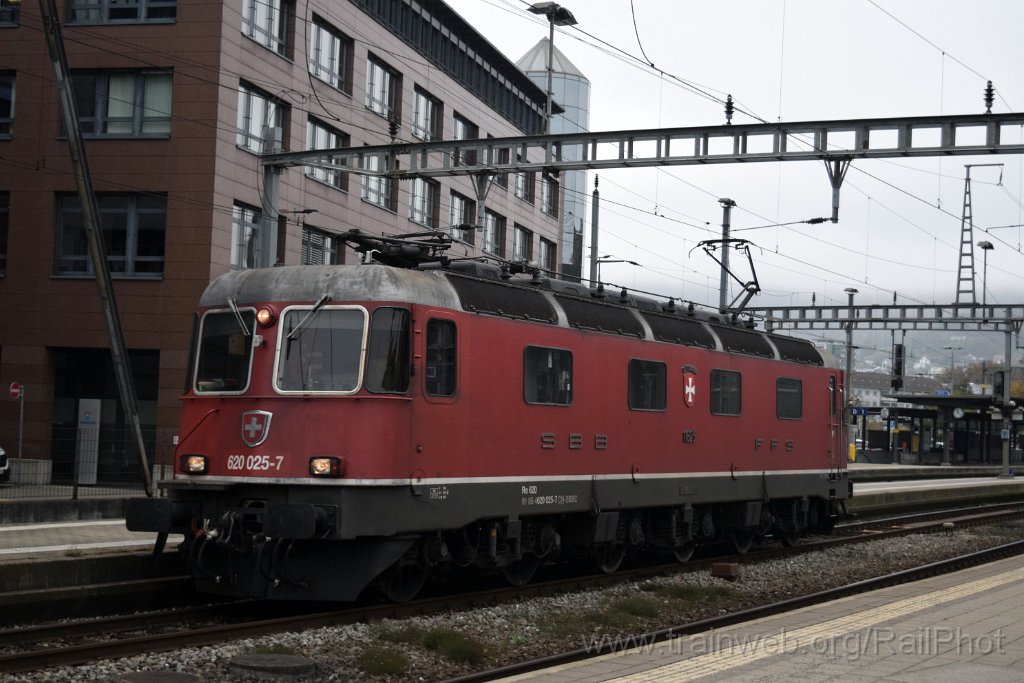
(532, 496)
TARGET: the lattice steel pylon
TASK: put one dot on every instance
(965, 273)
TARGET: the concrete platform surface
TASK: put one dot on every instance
(71, 539)
(964, 627)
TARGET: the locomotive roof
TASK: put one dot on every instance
(481, 288)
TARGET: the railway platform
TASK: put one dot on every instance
(966, 627)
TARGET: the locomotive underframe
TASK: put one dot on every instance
(331, 542)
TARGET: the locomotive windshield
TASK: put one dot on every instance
(326, 355)
(225, 351)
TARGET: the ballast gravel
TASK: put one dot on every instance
(536, 627)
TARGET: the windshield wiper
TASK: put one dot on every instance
(300, 328)
(238, 317)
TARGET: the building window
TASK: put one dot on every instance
(10, 12)
(320, 248)
(725, 392)
(6, 105)
(441, 356)
(123, 103)
(134, 227)
(500, 157)
(382, 87)
(245, 230)
(424, 202)
(646, 385)
(120, 11)
(321, 136)
(5, 221)
(789, 403)
(426, 116)
(549, 195)
(378, 190)
(462, 218)
(330, 55)
(268, 22)
(257, 112)
(524, 184)
(464, 130)
(522, 244)
(494, 234)
(547, 376)
(547, 255)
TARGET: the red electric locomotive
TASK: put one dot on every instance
(353, 425)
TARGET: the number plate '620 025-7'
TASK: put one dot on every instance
(255, 463)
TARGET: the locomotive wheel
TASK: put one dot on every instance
(789, 539)
(521, 571)
(684, 552)
(402, 582)
(742, 539)
(608, 557)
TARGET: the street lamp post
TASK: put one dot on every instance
(986, 247)
(952, 350)
(557, 16)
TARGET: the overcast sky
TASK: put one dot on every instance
(795, 60)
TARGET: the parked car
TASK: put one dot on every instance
(5, 467)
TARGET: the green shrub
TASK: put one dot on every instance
(383, 661)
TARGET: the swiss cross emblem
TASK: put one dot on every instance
(689, 385)
(255, 427)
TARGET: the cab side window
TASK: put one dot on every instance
(726, 392)
(440, 367)
(387, 361)
(547, 376)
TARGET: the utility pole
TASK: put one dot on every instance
(93, 233)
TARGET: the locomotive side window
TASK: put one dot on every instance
(646, 385)
(225, 352)
(321, 349)
(387, 359)
(789, 397)
(440, 358)
(547, 376)
(725, 392)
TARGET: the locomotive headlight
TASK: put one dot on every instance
(326, 466)
(265, 316)
(194, 464)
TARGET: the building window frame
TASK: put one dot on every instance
(464, 129)
(321, 248)
(124, 103)
(377, 189)
(134, 229)
(330, 55)
(121, 11)
(522, 243)
(7, 83)
(245, 230)
(427, 115)
(424, 202)
(5, 223)
(319, 135)
(548, 249)
(383, 84)
(494, 233)
(269, 23)
(462, 212)
(257, 109)
(549, 195)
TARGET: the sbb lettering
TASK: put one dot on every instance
(575, 441)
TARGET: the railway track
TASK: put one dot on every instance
(71, 643)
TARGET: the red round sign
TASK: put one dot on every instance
(16, 390)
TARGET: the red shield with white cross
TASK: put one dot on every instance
(255, 427)
(689, 385)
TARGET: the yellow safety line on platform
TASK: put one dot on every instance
(744, 652)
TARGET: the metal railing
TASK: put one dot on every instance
(96, 464)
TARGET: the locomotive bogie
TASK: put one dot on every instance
(364, 425)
